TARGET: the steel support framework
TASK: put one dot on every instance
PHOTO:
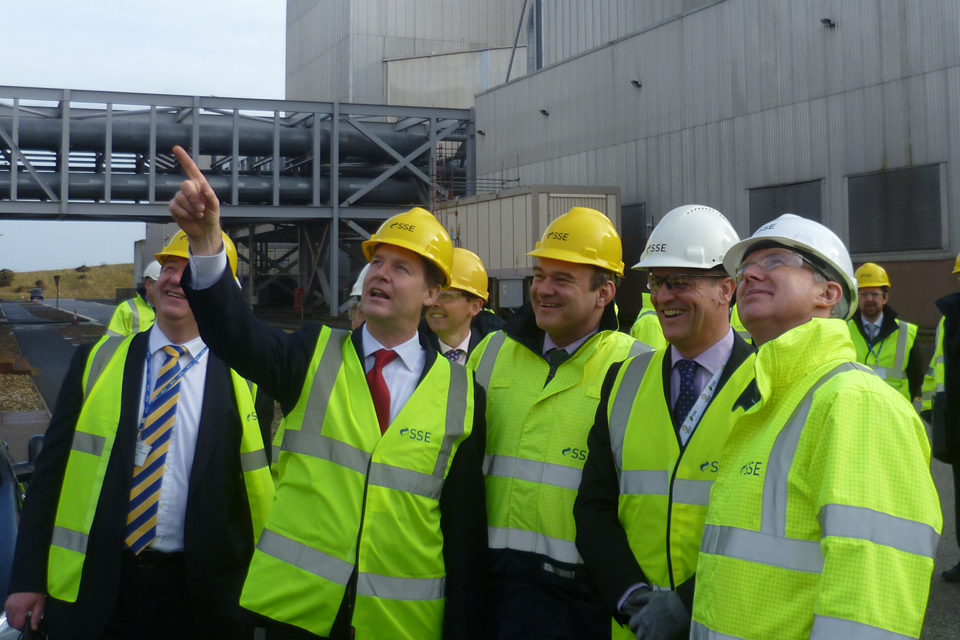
(326, 172)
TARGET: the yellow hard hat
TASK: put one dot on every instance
(179, 245)
(872, 275)
(419, 231)
(956, 268)
(583, 236)
(469, 274)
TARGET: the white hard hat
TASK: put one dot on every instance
(152, 271)
(813, 240)
(691, 236)
(357, 290)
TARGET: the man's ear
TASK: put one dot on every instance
(830, 295)
(606, 293)
(476, 306)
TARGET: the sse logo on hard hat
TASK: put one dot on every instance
(556, 235)
(657, 248)
(403, 226)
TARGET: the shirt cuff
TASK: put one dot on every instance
(626, 594)
(206, 270)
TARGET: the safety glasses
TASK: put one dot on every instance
(771, 261)
(678, 282)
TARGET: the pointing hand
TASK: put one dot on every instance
(196, 208)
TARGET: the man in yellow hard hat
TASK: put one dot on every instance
(151, 490)
(377, 530)
(543, 373)
(457, 321)
(823, 520)
(883, 341)
(656, 444)
(941, 400)
(137, 314)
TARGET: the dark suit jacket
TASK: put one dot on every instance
(601, 539)
(483, 324)
(218, 534)
(278, 362)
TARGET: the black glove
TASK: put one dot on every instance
(657, 615)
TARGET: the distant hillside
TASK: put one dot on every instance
(91, 283)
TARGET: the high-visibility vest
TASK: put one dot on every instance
(93, 440)
(665, 490)
(824, 520)
(352, 501)
(132, 316)
(738, 326)
(888, 358)
(647, 327)
(537, 438)
(934, 381)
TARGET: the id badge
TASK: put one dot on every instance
(143, 450)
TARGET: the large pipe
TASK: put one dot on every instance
(256, 138)
(252, 189)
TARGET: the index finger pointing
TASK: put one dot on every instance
(193, 171)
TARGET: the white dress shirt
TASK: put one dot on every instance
(463, 346)
(183, 441)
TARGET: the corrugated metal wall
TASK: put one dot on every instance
(739, 95)
(336, 48)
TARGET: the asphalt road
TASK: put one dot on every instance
(95, 311)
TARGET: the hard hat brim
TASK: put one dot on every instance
(369, 246)
(571, 256)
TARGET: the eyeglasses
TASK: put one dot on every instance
(870, 295)
(776, 260)
(678, 282)
(450, 296)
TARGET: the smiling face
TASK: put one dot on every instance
(563, 302)
(395, 291)
(695, 319)
(174, 316)
(451, 314)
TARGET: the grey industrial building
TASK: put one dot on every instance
(840, 110)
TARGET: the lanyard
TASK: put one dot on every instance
(699, 408)
(875, 354)
(148, 400)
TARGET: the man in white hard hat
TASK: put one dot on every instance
(137, 314)
(356, 310)
(457, 321)
(824, 520)
(663, 419)
(542, 373)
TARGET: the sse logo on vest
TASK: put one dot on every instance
(576, 454)
(751, 468)
(416, 434)
(712, 466)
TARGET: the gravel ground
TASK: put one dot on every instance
(82, 333)
(17, 392)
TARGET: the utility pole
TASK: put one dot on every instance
(56, 280)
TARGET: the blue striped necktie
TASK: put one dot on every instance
(157, 429)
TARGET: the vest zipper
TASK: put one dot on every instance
(350, 597)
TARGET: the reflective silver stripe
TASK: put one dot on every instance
(456, 416)
(519, 540)
(638, 349)
(623, 403)
(940, 361)
(825, 628)
(71, 540)
(489, 358)
(693, 492)
(374, 586)
(745, 335)
(648, 483)
(324, 448)
(303, 557)
(886, 373)
(421, 484)
(88, 443)
(700, 632)
(100, 360)
(555, 475)
(326, 375)
(763, 548)
(253, 460)
(647, 312)
(927, 396)
(135, 317)
(879, 528)
(901, 349)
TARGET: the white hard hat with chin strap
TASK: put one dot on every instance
(357, 290)
(691, 236)
(814, 241)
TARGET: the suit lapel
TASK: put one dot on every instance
(132, 394)
(218, 407)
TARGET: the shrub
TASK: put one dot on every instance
(38, 283)
(6, 277)
(82, 268)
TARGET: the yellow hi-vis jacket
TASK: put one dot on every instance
(888, 358)
(131, 317)
(738, 326)
(93, 441)
(824, 520)
(647, 327)
(665, 488)
(350, 500)
(934, 381)
(537, 438)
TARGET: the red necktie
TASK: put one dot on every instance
(378, 386)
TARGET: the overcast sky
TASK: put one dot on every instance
(229, 48)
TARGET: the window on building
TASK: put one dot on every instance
(895, 210)
(535, 36)
(768, 203)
